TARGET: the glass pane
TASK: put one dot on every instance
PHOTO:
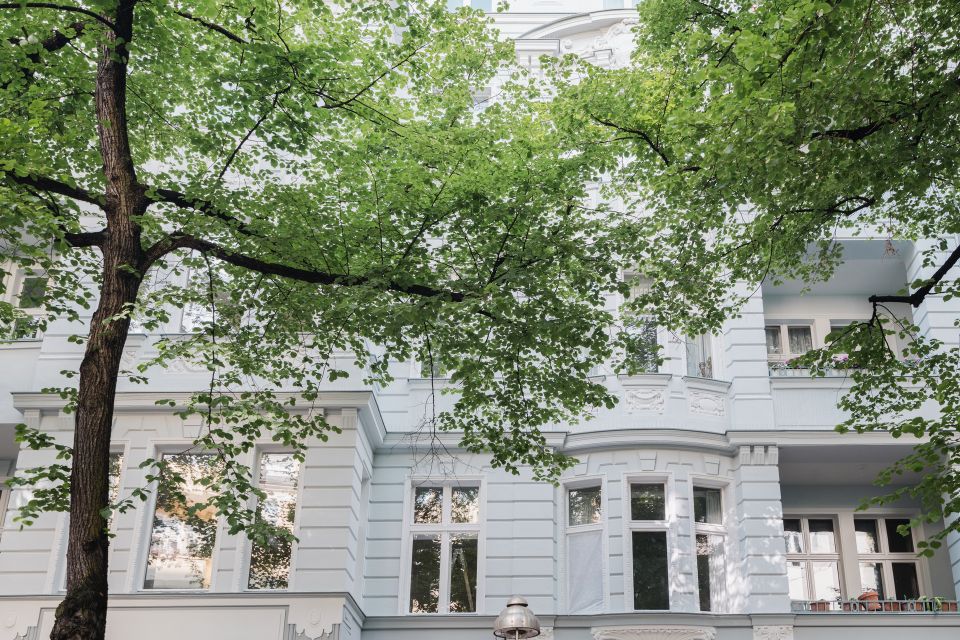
(463, 573)
(647, 502)
(897, 543)
(821, 536)
(181, 543)
(797, 576)
(826, 580)
(699, 362)
(801, 339)
(650, 586)
(428, 504)
(642, 350)
(793, 535)
(585, 571)
(866, 536)
(32, 291)
(709, 569)
(270, 559)
(905, 583)
(465, 508)
(871, 578)
(483, 5)
(425, 574)
(774, 347)
(706, 505)
(584, 506)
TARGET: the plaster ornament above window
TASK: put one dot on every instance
(644, 632)
(181, 365)
(706, 402)
(645, 399)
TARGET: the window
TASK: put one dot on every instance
(585, 556)
(444, 549)
(813, 559)
(888, 562)
(788, 341)
(700, 356)
(270, 559)
(640, 343)
(30, 289)
(710, 542)
(648, 530)
(182, 542)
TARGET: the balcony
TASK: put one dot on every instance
(866, 606)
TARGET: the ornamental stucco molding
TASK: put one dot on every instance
(707, 403)
(773, 632)
(655, 632)
(645, 399)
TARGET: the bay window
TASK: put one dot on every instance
(648, 528)
(584, 551)
(444, 549)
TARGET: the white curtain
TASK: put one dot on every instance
(585, 571)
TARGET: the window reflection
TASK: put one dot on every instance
(584, 506)
(427, 504)
(181, 543)
(425, 574)
(647, 502)
(463, 573)
(465, 505)
(270, 560)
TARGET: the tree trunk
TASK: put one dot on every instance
(83, 613)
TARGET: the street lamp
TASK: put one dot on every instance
(516, 621)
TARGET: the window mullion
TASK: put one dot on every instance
(444, 602)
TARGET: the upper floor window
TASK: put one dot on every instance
(29, 291)
(710, 537)
(641, 342)
(813, 558)
(888, 561)
(700, 356)
(648, 530)
(444, 548)
(270, 559)
(785, 341)
(584, 551)
(182, 539)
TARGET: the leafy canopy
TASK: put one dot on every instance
(750, 133)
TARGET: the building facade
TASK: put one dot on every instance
(716, 501)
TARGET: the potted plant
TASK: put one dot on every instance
(852, 605)
(870, 600)
(940, 604)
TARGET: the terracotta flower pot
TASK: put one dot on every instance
(949, 606)
(820, 605)
(870, 600)
(891, 606)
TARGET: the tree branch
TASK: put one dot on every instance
(918, 296)
(184, 241)
(251, 131)
(57, 7)
(55, 186)
(212, 26)
(205, 207)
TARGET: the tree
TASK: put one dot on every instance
(750, 132)
(324, 180)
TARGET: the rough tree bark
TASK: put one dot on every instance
(83, 613)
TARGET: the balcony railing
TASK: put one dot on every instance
(932, 605)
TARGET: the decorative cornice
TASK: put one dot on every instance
(773, 632)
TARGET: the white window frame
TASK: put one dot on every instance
(886, 558)
(12, 291)
(444, 529)
(245, 546)
(585, 482)
(143, 537)
(718, 591)
(807, 556)
(667, 525)
(785, 326)
(638, 286)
